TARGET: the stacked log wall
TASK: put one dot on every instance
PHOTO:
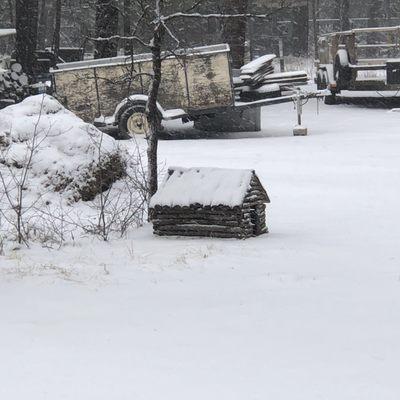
(254, 201)
(239, 222)
(220, 221)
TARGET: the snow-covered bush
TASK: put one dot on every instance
(58, 176)
(64, 153)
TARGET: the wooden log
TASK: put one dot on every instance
(189, 222)
(201, 234)
(16, 67)
(200, 228)
(189, 214)
(198, 207)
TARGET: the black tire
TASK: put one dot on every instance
(330, 100)
(123, 124)
(137, 128)
(319, 80)
(325, 80)
(342, 71)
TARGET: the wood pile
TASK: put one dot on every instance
(241, 221)
(14, 85)
(258, 80)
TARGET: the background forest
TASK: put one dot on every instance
(296, 23)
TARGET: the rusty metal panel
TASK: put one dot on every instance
(209, 81)
(198, 80)
(77, 91)
(173, 89)
(116, 83)
(173, 93)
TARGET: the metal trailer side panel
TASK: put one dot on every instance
(209, 81)
(172, 93)
(115, 83)
(197, 81)
(77, 91)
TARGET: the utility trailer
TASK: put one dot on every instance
(366, 59)
(197, 85)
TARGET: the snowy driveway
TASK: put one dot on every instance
(309, 312)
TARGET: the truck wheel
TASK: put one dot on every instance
(330, 100)
(325, 80)
(342, 71)
(319, 80)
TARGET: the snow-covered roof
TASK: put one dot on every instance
(205, 186)
(7, 32)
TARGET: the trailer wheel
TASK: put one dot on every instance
(133, 121)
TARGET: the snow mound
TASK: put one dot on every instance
(61, 151)
(206, 186)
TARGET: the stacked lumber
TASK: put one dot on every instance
(258, 80)
(14, 85)
(255, 71)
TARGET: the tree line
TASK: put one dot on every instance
(69, 23)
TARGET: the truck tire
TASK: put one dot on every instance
(330, 100)
(319, 80)
(342, 70)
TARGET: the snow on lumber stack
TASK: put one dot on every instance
(258, 65)
(286, 77)
(210, 202)
(68, 155)
(259, 81)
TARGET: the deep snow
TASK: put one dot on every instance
(310, 311)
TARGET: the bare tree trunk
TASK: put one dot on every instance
(11, 11)
(42, 28)
(106, 26)
(26, 13)
(127, 25)
(375, 11)
(234, 30)
(314, 15)
(345, 15)
(388, 7)
(152, 111)
(342, 13)
(57, 31)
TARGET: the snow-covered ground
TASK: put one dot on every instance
(310, 311)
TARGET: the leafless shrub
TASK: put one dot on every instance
(122, 205)
(14, 178)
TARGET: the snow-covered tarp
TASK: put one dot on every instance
(205, 186)
(62, 152)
